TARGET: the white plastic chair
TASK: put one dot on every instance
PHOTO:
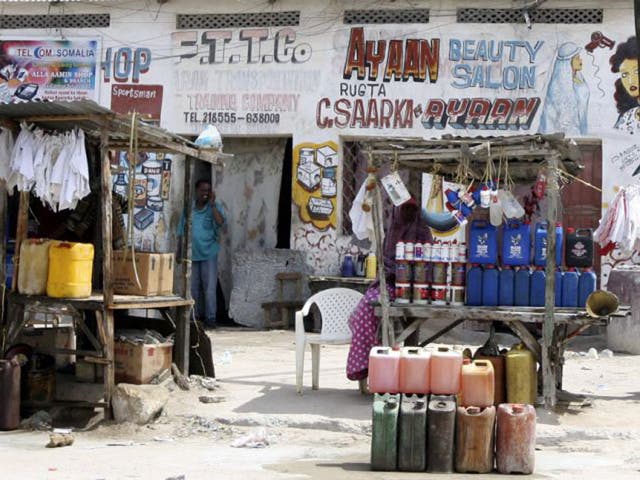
(335, 306)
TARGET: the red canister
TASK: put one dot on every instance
(421, 293)
(403, 292)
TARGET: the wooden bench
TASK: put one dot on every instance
(279, 314)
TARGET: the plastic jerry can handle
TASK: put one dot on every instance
(587, 232)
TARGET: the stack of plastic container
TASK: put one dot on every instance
(419, 425)
(513, 283)
(430, 273)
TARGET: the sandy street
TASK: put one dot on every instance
(322, 434)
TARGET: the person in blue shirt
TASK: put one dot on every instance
(207, 218)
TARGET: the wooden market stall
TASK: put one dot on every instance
(105, 131)
(525, 154)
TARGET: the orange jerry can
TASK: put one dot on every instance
(477, 384)
(516, 438)
(474, 439)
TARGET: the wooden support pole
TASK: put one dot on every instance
(549, 354)
(21, 234)
(106, 315)
(378, 231)
(183, 324)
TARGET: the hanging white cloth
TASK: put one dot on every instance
(621, 222)
(21, 164)
(54, 166)
(361, 221)
(6, 148)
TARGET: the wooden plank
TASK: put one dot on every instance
(151, 304)
(96, 119)
(527, 338)
(441, 332)
(407, 332)
(92, 339)
(548, 357)
(21, 235)
(183, 321)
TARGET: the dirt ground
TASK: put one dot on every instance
(322, 434)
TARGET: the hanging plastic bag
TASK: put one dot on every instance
(510, 205)
(495, 209)
(210, 137)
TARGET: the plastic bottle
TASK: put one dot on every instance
(384, 432)
(522, 287)
(445, 371)
(558, 288)
(521, 375)
(412, 433)
(348, 268)
(477, 384)
(384, 370)
(540, 244)
(559, 243)
(507, 285)
(483, 242)
(415, 366)
(490, 286)
(570, 281)
(371, 265)
(441, 421)
(516, 243)
(515, 438)
(474, 439)
(538, 280)
(586, 286)
(579, 251)
(474, 285)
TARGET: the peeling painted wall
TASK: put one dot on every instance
(249, 188)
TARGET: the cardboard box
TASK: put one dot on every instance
(167, 263)
(140, 363)
(148, 266)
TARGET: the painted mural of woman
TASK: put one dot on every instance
(567, 102)
(627, 94)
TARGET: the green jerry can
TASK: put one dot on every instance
(441, 429)
(384, 434)
(412, 440)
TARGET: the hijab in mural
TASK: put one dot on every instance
(567, 101)
(625, 63)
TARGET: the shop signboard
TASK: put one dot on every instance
(48, 69)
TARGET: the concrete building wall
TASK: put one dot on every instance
(323, 81)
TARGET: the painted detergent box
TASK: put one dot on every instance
(309, 176)
(148, 267)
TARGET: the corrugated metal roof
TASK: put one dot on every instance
(95, 119)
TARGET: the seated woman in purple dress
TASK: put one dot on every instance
(406, 225)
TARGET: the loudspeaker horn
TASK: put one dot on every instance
(602, 303)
